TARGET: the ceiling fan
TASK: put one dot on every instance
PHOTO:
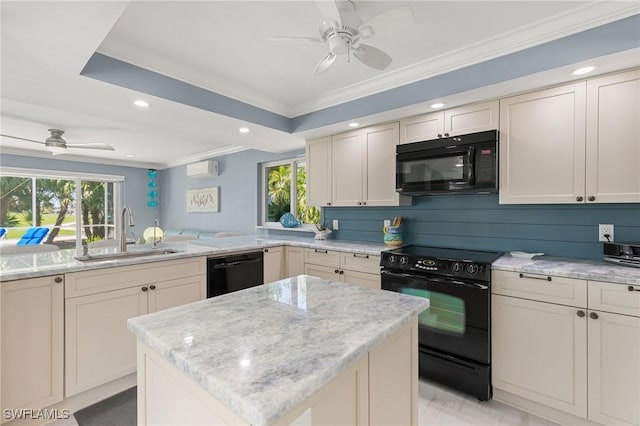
(57, 145)
(342, 29)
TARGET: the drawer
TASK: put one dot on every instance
(118, 277)
(322, 257)
(616, 298)
(360, 262)
(543, 288)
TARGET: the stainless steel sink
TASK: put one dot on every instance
(125, 255)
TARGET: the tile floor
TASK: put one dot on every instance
(439, 406)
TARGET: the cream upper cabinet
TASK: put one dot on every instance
(358, 167)
(319, 171)
(422, 127)
(542, 146)
(450, 122)
(613, 138)
(32, 343)
(346, 169)
(539, 352)
(273, 264)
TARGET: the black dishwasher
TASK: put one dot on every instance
(233, 273)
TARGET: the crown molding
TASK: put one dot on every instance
(581, 19)
(205, 155)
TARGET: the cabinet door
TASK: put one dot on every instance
(379, 165)
(422, 127)
(613, 138)
(471, 118)
(361, 278)
(346, 169)
(326, 272)
(539, 352)
(542, 146)
(614, 369)
(273, 264)
(98, 346)
(167, 294)
(32, 319)
(294, 261)
(319, 172)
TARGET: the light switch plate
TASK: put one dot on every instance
(336, 225)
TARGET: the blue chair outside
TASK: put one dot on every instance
(33, 236)
(3, 232)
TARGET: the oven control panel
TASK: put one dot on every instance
(442, 267)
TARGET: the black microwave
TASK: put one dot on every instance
(465, 164)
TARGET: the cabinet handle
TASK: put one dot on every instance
(328, 203)
(359, 203)
(320, 251)
(535, 278)
(593, 315)
(152, 287)
(337, 271)
(591, 198)
(446, 134)
(364, 203)
(579, 198)
(341, 272)
(58, 279)
(632, 288)
(439, 135)
(144, 289)
(364, 256)
(581, 314)
(266, 250)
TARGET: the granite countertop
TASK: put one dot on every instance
(20, 266)
(594, 270)
(265, 349)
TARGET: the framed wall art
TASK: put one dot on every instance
(204, 200)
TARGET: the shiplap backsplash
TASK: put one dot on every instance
(479, 222)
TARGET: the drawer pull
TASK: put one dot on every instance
(364, 256)
(58, 279)
(593, 315)
(535, 278)
(632, 288)
(144, 289)
(341, 272)
(581, 314)
(152, 287)
(336, 271)
(320, 251)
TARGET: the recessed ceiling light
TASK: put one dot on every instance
(583, 70)
(244, 130)
(142, 104)
(437, 105)
(129, 155)
(354, 124)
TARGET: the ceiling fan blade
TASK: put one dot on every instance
(22, 139)
(372, 56)
(91, 145)
(324, 63)
(387, 21)
(295, 39)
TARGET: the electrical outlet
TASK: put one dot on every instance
(387, 222)
(336, 225)
(605, 229)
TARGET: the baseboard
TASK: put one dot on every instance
(540, 410)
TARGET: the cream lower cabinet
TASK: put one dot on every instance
(355, 268)
(548, 354)
(98, 346)
(294, 261)
(273, 261)
(32, 342)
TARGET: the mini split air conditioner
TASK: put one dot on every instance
(203, 168)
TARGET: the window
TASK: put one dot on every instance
(278, 192)
(69, 204)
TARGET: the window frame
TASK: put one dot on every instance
(293, 163)
(77, 177)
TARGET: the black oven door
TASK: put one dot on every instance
(457, 320)
(435, 170)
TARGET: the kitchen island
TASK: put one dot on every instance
(297, 351)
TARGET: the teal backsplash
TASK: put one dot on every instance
(479, 222)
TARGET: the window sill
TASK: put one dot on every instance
(282, 228)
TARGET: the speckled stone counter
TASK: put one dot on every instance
(263, 350)
(20, 266)
(594, 270)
